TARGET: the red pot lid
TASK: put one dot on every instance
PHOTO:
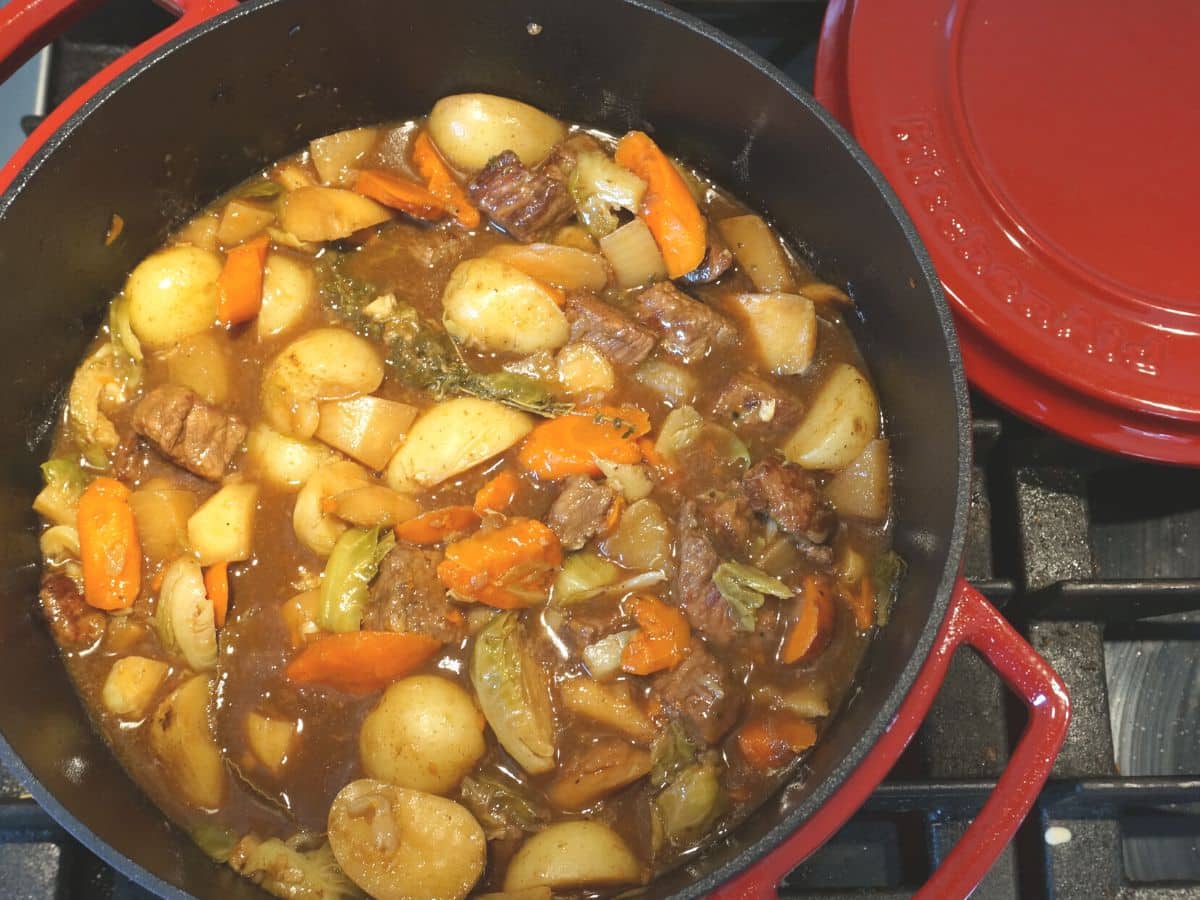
(1048, 156)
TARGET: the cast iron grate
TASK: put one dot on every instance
(1095, 559)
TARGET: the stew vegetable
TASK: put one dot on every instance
(471, 505)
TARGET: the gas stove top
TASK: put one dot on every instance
(1095, 559)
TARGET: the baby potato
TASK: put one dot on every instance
(287, 292)
(173, 294)
(328, 213)
(424, 733)
(784, 326)
(399, 844)
(323, 364)
(453, 436)
(583, 371)
(334, 154)
(284, 461)
(181, 736)
(317, 529)
(843, 419)
(572, 854)
(131, 684)
(470, 129)
(497, 307)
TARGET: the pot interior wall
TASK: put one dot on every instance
(235, 96)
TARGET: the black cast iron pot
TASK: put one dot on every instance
(222, 96)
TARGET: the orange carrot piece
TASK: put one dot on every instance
(497, 494)
(662, 641)
(360, 662)
(668, 208)
(813, 628)
(440, 181)
(509, 567)
(615, 510)
(862, 603)
(773, 739)
(109, 548)
(399, 193)
(571, 444)
(437, 525)
(241, 281)
(216, 585)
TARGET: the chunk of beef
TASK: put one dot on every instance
(689, 329)
(601, 325)
(560, 164)
(578, 513)
(188, 431)
(728, 517)
(716, 262)
(408, 597)
(791, 496)
(522, 201)
(701, 690)
(750, 401)
(706, 610)
(73, 623)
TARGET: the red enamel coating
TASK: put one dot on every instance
(28, 25)
(1054, 192)
(973, 621)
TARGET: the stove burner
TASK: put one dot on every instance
(1096, 560)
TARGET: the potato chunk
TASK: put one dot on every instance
(222, 529)
(181, 736)
(494, 306)
(173, 294)
(131, 684)
(470, 129)
(572, 854)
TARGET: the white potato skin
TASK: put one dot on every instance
(843, 419)
(317, 530)
(322, 364)
(453, 436)
(288, 291)
(470, 129)
(173, 294)
(432, 849)
(572, 854)
(222, 529)
(497, 307)
(425, 733)
(181, 736)
(286, 462)
(784, 328)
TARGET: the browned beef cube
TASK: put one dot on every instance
(702, 691)
(688, 329)
(616, 336)
(749, 401)
(73, 623)
(716, 262)
(791, 496)
(189, 432)
(407, 597)
(579, 512)
(522, 201)
(562, 159)
(706, 610)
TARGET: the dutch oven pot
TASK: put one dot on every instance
(223, 91)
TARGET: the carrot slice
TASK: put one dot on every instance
(813, 628)
(668, 208)
(497, 494)
(862, 603)
(241, 281)
(399, 193)
(109, 548)
(360, 662)
(773, 739)
(437, 525)
(662, 641)
(216, 585)
(509, 567)
(571, 444)
(440, 181)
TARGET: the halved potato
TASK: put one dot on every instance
(569, 855)
(289, 288)
(783, 326)
(334, 154)
(181, 736)
(843, 419)
(222, 529)
(242, 219)
(497, 307)
(470, 129)
(327, 213)
(368, 429)
(862, 490)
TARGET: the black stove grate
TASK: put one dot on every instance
(1095, 559)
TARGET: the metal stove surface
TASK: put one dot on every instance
(1095, 559)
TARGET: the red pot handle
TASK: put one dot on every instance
(28, 25)
(973, 621)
